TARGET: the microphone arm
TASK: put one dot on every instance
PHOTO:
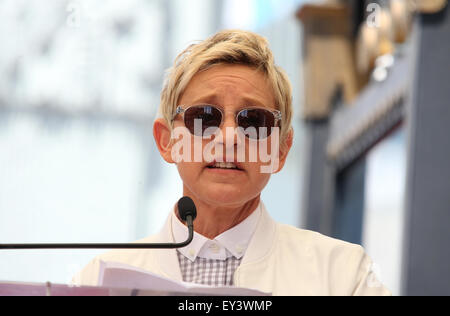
(104, 246)
(187, 216)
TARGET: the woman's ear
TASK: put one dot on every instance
(285, 147)
(163, 139)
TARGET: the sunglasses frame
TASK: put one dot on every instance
(278, 116)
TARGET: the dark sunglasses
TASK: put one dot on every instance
(258, 121)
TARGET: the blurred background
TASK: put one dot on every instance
(79, 89)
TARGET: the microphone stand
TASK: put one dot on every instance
(189, 221)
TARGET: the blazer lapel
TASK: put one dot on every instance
(166, 260)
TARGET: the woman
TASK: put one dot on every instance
(226, 123)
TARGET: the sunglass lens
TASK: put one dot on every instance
(257, 123)
(210, 119)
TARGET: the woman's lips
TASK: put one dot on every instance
(224, 164)
(219, 171)
(225, 168)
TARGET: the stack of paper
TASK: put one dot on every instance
(117, 275)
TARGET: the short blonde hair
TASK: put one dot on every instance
(227, 47)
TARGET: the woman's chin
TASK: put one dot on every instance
(225, 196)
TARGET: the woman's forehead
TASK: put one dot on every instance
(230, 82)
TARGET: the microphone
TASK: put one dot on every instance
(186, 210)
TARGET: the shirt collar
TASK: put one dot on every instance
(233, 242)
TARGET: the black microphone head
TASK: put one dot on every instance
(186, 207)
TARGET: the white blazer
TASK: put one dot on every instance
(280, 259)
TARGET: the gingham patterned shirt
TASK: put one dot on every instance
(208, 271)
(213, 262)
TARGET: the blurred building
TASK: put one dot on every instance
(377, 115)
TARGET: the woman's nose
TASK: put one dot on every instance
(229, 130)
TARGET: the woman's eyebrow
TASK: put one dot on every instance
(210, 99)
(254, 102)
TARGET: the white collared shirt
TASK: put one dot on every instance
(232, 243)
(214, 262)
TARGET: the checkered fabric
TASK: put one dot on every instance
(208, 271)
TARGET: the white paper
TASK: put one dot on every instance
(118, 275)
